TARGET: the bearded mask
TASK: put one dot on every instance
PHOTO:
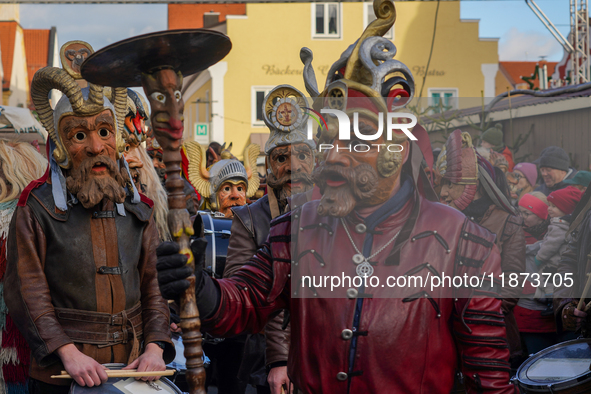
(290, 153)
(84, 129)
(362, 88)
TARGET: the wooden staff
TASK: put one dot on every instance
(181, 229)
(158, 61)
(189, 314)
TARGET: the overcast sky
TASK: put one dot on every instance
(522, 35)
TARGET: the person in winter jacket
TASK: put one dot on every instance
(493, 139)
(561, 203)
(533, 208)
(554, 164)
(580, 181)
(522, 180)
(537, 330)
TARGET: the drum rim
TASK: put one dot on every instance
(563, 384)
(117, 366)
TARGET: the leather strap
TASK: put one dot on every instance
(109, 270)
(273, 204)
(103, 215)
(102, 329)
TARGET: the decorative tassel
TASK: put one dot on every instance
(14, 351)
(14, 357)
(8, 355)
(12, 337)
(15, 373)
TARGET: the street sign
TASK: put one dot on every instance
(201, 129)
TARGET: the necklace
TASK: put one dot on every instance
(364, 268)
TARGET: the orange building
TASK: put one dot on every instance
(196, 16)
(24, 51)
(511, 75)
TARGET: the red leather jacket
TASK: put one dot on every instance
(411, 344)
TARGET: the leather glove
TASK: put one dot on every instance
(572, 318)
(173, 269)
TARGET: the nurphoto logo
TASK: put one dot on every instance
(393, 122)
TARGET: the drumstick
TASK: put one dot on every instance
(125, 374)
(584, 295)
(129, 370)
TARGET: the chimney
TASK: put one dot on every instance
(211, 19)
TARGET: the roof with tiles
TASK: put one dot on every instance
(513, 71)
(7, 41)
(37, 50)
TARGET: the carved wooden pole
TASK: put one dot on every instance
(190, 322)
(158, 62)
(163, 91)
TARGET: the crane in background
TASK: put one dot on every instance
(577, 44)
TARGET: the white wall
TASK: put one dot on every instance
(9, 12)
(19, 82)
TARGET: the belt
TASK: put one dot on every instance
(103, 329)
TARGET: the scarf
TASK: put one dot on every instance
(538, 230)
(477, 208)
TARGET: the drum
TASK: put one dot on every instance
(217, 232)
(127, 386)
(563, 368)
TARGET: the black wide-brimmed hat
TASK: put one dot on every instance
(187, 51)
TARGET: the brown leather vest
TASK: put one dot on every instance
(70, 265)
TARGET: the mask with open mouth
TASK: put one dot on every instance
(342, 188)
(298, 183)
(231, 194)
(96, 178)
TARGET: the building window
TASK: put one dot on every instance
(326, 20)
(442, 100)
(370, 16)
(257, 99)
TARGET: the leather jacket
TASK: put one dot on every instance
(250, 229)
(511, 243)
(71, 275)
(435, 332)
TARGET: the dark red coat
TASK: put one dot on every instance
(408, 344)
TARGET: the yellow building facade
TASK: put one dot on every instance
(265, 52)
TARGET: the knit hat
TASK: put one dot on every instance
(582, 178)
(529, 170)
(554, 157)
(494, 135)
(566, 199)
(534, 205)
